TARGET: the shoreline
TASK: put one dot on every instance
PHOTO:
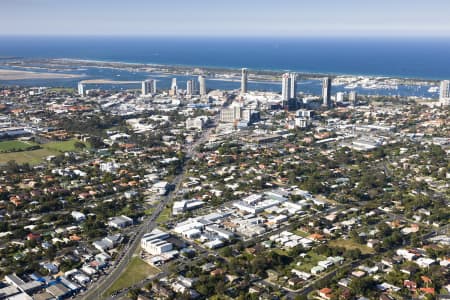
(6, 75)
(273, 72)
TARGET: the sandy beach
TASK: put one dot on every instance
(22, 75)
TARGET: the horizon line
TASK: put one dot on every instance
(359, 36)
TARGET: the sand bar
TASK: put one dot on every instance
(23, 75)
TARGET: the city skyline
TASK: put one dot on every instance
(231, 18)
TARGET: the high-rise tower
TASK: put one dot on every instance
(202, 84)
(326, 92)
(244, 80)
(190, 87)
(444, 92)
(81, 90)
(286, 87)
(293, 87)
(148, 87)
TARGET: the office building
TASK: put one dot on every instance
(195, 123)
(202, 84)
(293, 85)
(340, 97)
(250, 116)
(445, 89)
(304, 113)
(352, 98)
(301, 122)
(326, 92)
(244, 81)
(148, 87)
(444, 94)
(191, 87)
(156, 243)
(81, 90)
(285, 87)
(230, 114)
(173, 87)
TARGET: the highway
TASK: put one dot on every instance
(97, 290)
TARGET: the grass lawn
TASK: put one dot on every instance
(149, 211)
(15, 145)
(60, 90)
(32, 157)
(350, 244)
(164, 216)
(280, 251)
(301, 233)
(309, 261)
(136, 271)
(65, 146)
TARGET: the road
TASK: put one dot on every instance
(97, 290)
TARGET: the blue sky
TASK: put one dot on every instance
(226, 18)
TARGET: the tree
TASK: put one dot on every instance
(78, 145)
(362, 285)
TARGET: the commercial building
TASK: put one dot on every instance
(301, 122)
(304, 113)
(195, 123)
(250, 116)
(155, 242)
(234, 114)
(326, 92)
(293, 85)
(81, 90)
(191, 88)
(230, 114)
(186, 205)
(202, 85)
(352, 98)
(148, 87)
(244, 80)
(340, 97)
(286, 87)
(173, 87)
(120, 222)
(444, 93)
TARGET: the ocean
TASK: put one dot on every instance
(424, 58)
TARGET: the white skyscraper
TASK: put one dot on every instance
(340, 97)
(81, 91)
(244, 80)
(352, 98)
(190, 87)
(148, 87)
(173, 86)
(326, 91)
(202, 84)
(286, 87)
(293, 87)
(445, 90)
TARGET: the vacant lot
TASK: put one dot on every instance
(349, 244)
(136, 271)
(164, 216)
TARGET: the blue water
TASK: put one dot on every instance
(427, 58)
